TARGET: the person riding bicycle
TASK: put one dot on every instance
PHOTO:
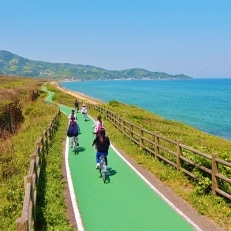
(98, 125)
(73, 114)
(102, 143)
(73, 130)
(84, 111)
(76, 103)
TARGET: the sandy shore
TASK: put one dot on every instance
(78, 95)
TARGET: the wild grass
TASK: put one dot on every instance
(51, 208)
(14, 156)
(17, 88)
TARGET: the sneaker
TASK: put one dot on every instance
(97, 166)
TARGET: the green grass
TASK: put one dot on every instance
(14, 163)
(51, 206)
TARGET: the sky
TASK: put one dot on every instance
(191, 37)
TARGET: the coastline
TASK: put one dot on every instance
(78, 95)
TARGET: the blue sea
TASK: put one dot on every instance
(201, 103)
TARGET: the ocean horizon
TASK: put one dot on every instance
(201, 103)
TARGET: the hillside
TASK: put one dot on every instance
(12, 64)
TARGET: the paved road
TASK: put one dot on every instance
(126, 202)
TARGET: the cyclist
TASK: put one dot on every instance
(102, 143)
(84, 111)
(73, 114)
(76, 103)
(98, 125)
(73, 130)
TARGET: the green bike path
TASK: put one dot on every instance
(126, 203)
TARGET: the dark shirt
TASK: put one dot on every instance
(101, 145)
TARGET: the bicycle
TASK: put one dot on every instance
(103, 168)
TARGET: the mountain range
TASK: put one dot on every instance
(12, 64)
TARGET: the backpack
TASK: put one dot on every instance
(73, 129)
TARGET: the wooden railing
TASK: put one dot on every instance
(181, 157)
(34, 94)
(28, 218)
(10, 117)
(11, 114)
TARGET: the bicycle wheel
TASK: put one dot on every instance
(75, 145)
(104, 177)
(104, 172)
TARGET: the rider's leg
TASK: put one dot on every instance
(97, 159)
(77, 140)
(106, 162)
(72, 142)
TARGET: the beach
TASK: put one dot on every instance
(78, 95)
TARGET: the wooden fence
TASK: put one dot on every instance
(10, 117)
(181, 157)
(34, 94)
(28, 218)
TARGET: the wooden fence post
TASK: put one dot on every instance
(131, 131)
(120, 124)
(50, 133)
(214, 172)
(27, 179)
(178, 154)
(123, 128)
(38, 148)
(21, 224)
(46, 140)
(106, 114)
(42, 143)
(141, 138)
(157, 144)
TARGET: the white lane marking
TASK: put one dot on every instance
(158, 192)
(78, 218)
